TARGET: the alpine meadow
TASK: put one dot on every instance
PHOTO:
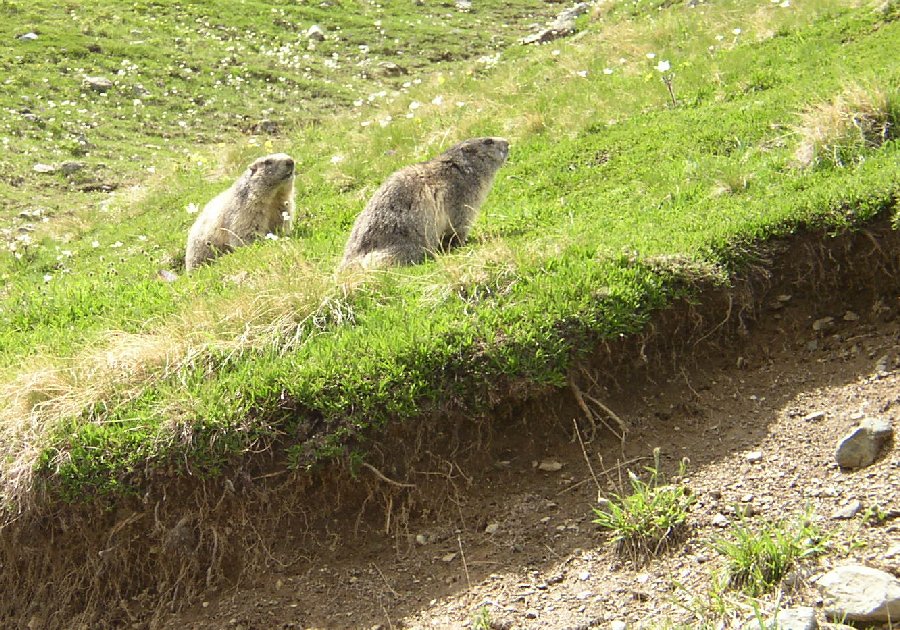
(159, 429)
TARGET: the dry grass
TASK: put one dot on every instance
(837, 132)
(33, 402)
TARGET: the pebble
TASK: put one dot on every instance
(848, 511)
(815, 416)
(28, 37)
(754, 456)
(720, 520)
(549, 465)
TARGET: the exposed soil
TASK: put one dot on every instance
(517, 545)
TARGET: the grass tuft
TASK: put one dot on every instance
(650, 520)
(758, 559)
(839, 132)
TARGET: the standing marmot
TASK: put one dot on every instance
(426, 207)
(259, 202)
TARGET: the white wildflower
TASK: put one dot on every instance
(607, 70)
(192, 208)
(663, 66)
(337, 159)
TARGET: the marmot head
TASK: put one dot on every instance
(480, 154)
(272, 169)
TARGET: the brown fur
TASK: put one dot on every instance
(427, 207)
(259, 202)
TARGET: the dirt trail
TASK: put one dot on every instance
(518, 542)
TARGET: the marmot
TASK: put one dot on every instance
(426, 207)
(259, 202)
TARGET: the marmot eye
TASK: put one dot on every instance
(489, 141)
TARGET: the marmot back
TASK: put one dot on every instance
(428, 207)
(259, 202)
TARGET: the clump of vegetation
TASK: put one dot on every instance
(838, 132)
(759, 558)
(650, 520)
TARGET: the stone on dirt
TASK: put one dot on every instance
(860, 447)
(802, 618)
(856, 593)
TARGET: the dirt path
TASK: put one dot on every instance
(516, 546)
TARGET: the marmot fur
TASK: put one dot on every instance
(259, 202)
(426, 207)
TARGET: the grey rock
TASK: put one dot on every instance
(391, 69)
(315, 33)
(823, 323)
(43, 168)
(464, 5)
(856, 593)
(98, 84)
(815, 416)
(848, 511)
(754, 457)
(802, 618)
(618, 625)
(28, 37)
(860, 447)
(71, 167)
(562, 26)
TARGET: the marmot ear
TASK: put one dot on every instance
(253, 168)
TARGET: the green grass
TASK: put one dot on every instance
(650, 519)
(110, 372)
(758, 557)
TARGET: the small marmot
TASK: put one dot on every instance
(259, 202)
(427, 207)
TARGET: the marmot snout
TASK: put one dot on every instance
(427, 207)
(259, 202)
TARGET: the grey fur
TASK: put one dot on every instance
(427, 207)
(256, 204)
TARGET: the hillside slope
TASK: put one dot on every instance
(656, 155)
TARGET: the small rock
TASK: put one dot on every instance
(850, 316)
(450, 557)
(464, 5)
(492, 528)
(848, 511)
(720, 520)
(584, 576)
(802, 618)
(812, 346)
(549, 465)
(70, 167)
(421, 539)
(822, 323)
(856, 593)
(815, 416)
(860, 447)
(98, 84)
(269, 127)
(28, 37)
(391, 69)
(893, 552)
(531, 613)
(43, 168)
(618, 625)
(754, 457)
(315, 33)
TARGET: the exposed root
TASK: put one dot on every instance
(386, 479)
(592, 417)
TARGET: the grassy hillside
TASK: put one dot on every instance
(779, 116)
